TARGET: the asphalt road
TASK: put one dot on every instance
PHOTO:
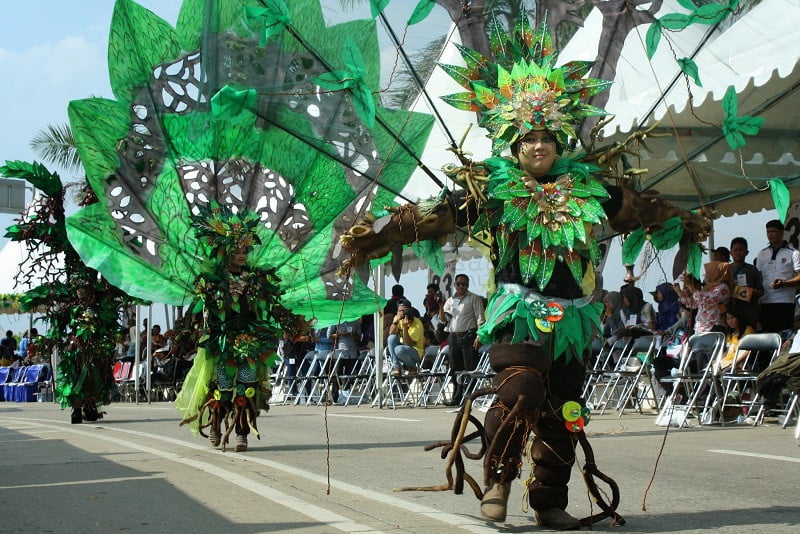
(318, 471)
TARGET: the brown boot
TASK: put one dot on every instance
(241, 443)
(495, 501)
(557, 519)
(214, 437)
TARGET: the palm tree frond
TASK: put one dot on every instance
(56, 145)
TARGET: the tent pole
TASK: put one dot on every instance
(137, 358)
(380, 284)
(149, 352)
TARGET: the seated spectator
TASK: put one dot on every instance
(737, 328)
(8, 348)
(783, 373)
(635, 311)
(669, 355)
(669, 308)
(611, 317)
(405, 340)
(430, 349)
(721, 254)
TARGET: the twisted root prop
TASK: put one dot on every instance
(590, 471)
(455, 447)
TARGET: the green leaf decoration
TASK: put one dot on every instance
(506, 249)
(140, 40)
(652, 38)
(734, 127)
(231, 101)
(633, 246)
(694, 260)
(710, 13)
(669, 235)
(688, 4)
(780, 197)
(514, 213)
(689, 67)
(431, 252)
(377, 6)
(530, 260)
(354, 78)
(274, 17)
(423, 9)
(545, 271)
(675, 21)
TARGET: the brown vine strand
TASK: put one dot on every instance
(658, 458)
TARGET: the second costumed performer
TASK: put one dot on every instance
(537, 208)
(243, 320)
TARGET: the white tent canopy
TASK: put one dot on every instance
(759, 55)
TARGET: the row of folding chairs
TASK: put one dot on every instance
(702, 389)
(24, 384)
(620, 374)
(312, 380)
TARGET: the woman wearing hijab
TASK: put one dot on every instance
(669, 307)
(635, 311)
(711, 300)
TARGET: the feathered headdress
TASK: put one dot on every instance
(523, 90)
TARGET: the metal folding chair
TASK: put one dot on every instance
(739, 381)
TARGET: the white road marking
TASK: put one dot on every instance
(307, 509)
(755, 455)
(81, 482)
(374, 417)
(461, 521)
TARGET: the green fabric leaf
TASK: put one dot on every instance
(431, 252)
(423, 9)
(735, 128)
(138, 41)
(669, 235)
(710, 13)
(546, 267)
(689, 67)
(529, 262)
(688, 4)
(274, 17)
(230, 101)
(652, 38)
(506, 249)
(694, 260)
(780, 197)
(675, 21)
(730, 103)
(633, 246)
(377, 6)
(514, 214)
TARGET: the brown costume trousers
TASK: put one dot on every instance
(526, 370)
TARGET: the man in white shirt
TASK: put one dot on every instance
(779, 265)
(464, 314)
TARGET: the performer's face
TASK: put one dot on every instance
(238, 259)
(537, 153)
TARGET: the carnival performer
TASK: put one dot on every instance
(85, 379)
(538, 207)
(243, 320)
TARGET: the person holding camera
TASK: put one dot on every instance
(405, 342)
(463, 313)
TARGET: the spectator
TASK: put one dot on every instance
(8, 347)
(779, 265)
(635, 311)
(669, 355)
(669, 309)
(721, 254)
(611, 316)
(710, 301)
(405, 340)
(463, 313)
(433, 298)
(748, 286)
(390, 310)
(738, 327)
(344, 337)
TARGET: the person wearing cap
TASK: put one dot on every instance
(779, 265)
(406, 340)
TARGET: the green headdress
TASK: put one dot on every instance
(224, 230)
(523, 90)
